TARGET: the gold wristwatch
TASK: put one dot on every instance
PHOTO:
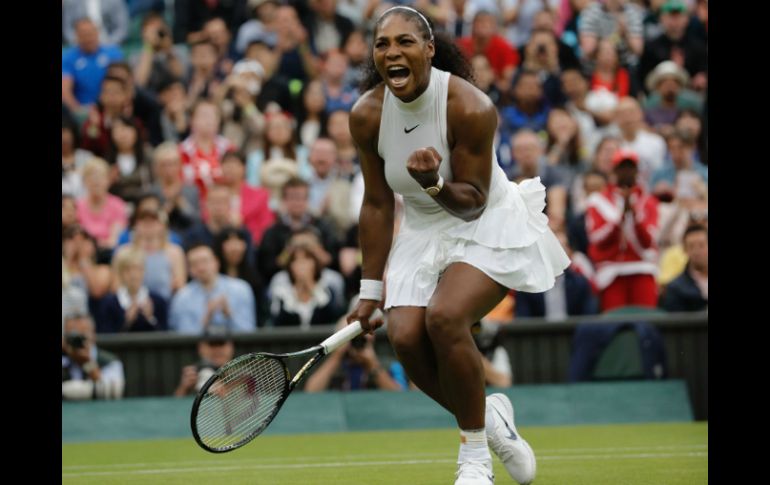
(435, 189)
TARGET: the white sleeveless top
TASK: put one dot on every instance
(510, 241)
(422, 123)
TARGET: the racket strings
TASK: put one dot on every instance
(241, 402)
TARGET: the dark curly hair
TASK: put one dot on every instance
(448, 56)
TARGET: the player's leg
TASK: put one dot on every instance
(463, 296)
(409, 339)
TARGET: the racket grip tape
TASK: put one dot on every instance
(342, 336)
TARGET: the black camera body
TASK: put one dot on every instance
(76, 340)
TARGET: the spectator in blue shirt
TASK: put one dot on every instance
(84, 66)
(211, 298)
(681, 176)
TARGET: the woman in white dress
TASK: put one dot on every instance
(468, 234)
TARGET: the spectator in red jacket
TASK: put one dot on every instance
(622, 222)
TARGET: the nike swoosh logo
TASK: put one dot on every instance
(411, 129)
(511, 434)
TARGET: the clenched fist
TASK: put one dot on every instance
(423, 166)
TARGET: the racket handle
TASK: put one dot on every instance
(342, 336)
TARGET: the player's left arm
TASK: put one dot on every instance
(471, 125)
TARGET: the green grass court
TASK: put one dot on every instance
(627, 454)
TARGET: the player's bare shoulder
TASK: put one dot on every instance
(366, 114)
(469, 108)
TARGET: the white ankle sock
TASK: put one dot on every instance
(473, 446)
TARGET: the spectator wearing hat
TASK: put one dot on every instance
(211, 299)
(667, 85)
(215, 349)
(83, 67)
(676, 44)
(621, 222)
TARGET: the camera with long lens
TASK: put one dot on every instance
(76, 340)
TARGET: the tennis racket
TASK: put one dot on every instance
(240, 400)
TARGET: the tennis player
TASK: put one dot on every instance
(425, 131)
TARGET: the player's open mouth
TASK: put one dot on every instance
(398, 75)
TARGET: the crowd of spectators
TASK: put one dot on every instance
(209, 177)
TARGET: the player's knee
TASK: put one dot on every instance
(443, 322)
(404, 340)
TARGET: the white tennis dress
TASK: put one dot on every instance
(511, 241)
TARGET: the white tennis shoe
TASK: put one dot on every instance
(515, 453)
(475, 473)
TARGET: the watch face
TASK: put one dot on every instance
(433, 191)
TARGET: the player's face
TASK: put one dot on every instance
(402, 57)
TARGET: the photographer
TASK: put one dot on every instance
(356, 366)
(215, 349)
(87, 372)
(159, 62)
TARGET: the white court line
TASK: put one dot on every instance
(371, 455)
(159, 471)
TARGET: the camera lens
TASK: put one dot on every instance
(76, 341)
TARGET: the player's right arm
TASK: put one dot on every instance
(376, 218)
